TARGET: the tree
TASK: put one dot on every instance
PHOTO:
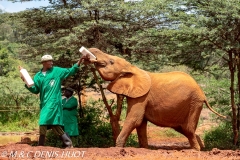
(207, 35)
(69, 25)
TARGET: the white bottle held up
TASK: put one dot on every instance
(27, 78)
(84, 51)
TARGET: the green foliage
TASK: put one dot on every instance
(216, 90)
(218, 94)
(181, 68)
(19, 120)
(18, 108)
(10, 81)
(219, 137)
(94, 132)
(8, 61)
(66, 27)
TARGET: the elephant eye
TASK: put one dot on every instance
(111, 61)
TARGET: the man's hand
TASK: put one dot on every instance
(22, 78)
(86, 60)
(20, 67)
(83, 58)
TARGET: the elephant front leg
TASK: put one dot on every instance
(142, 134)
(125, 132)
(134, 119)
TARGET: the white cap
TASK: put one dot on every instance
(46, 58)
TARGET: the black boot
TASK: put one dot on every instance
(41, 140)
(66, 141)
(63, 143)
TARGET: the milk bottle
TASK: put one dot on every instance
(27, 79)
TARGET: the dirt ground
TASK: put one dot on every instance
(160, 148)
(24, 151)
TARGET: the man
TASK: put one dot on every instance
(70, 113)
(47, 82)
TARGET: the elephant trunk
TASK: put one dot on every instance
(97, 53)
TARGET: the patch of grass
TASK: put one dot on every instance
(165, 132)
(172, 133)
(25, 124)
(169, 132)
(24, 119)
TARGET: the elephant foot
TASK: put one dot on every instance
(194, 143)
(195, 146)
(143, 145)
(119, 143)
(197, 143)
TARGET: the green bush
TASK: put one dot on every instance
(94, 128)
(94, 133)
(220, 137)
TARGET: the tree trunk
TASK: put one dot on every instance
(114, 119)
(234, 109)
(238, 106)
(81, 114)
(115, 127)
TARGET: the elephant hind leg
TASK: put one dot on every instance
(142, 134)
(192, 138)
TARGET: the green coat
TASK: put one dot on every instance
(70, 114)
(49, 87)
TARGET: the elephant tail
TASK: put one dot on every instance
(208, 105)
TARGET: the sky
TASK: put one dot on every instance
(11, 7)
(8, 6)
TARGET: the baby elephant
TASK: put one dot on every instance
(171, 99)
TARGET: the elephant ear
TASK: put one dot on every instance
(133, 82)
